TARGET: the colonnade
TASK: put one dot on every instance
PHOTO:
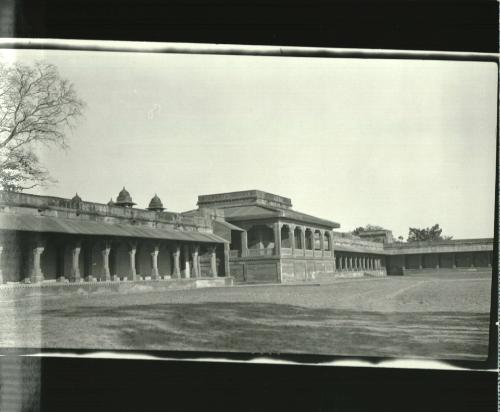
(446, 260)
(306, 239)
(184, 265)
(355, 263)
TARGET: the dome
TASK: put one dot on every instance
(124, 199)
(76, 199)
(111, 203)
(155, 204)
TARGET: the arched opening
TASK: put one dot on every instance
(317, 240)
(298, 238)
(285, 237)
(260, 237)
(327, 242)
(309, 239)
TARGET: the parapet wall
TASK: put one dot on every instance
(442, 246)
(244, 198)
(355, 243)
(11, 202)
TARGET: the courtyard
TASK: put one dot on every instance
(441, 315)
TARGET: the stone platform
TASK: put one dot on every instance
(22, 290)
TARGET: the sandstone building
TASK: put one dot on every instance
(248, 236)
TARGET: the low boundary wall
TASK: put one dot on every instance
(21, 290)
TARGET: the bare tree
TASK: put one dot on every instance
(37, 107)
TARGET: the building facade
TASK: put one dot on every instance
(47, 239)
(249, 237)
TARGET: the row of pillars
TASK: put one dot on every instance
(291, 236)
(36, 274)
(358, 263)
(438, 261)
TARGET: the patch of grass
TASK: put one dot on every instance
(427, 317)
(275, 328)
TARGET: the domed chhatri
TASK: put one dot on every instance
(124, 199)
(76, 199)
(111, 203)
(155, 204)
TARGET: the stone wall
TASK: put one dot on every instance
(22, 203)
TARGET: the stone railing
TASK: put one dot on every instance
(260, 252)
(43, 203)
(457, 242)
(347, 239)
(443, 246)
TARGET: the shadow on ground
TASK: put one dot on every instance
(269, 328)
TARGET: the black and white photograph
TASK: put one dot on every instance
(235, 203)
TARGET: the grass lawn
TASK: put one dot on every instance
(438, 316)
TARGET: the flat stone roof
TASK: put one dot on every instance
(244, 197)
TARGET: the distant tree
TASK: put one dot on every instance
(37, 107)
(426, 234)
(366, 228)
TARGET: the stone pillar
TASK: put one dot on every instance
(1, 266)
(226, 259)
(292, 237)
(339, 267)
(472, 260)
(131, 253)
(75, 262)
(186, 268)
(303, 238)
(176, 254)
(36, 274)
(244, 243)
(277, 239)
(453, 261)
(322, 242)
(350, 263)
(194, 258)
(437, 261)
(105, 263)
(420, 262)
(213, 262)
(346, 263)
(155, 274)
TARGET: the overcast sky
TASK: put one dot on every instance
(395, 143)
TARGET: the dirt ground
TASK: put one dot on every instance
(443, 316)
